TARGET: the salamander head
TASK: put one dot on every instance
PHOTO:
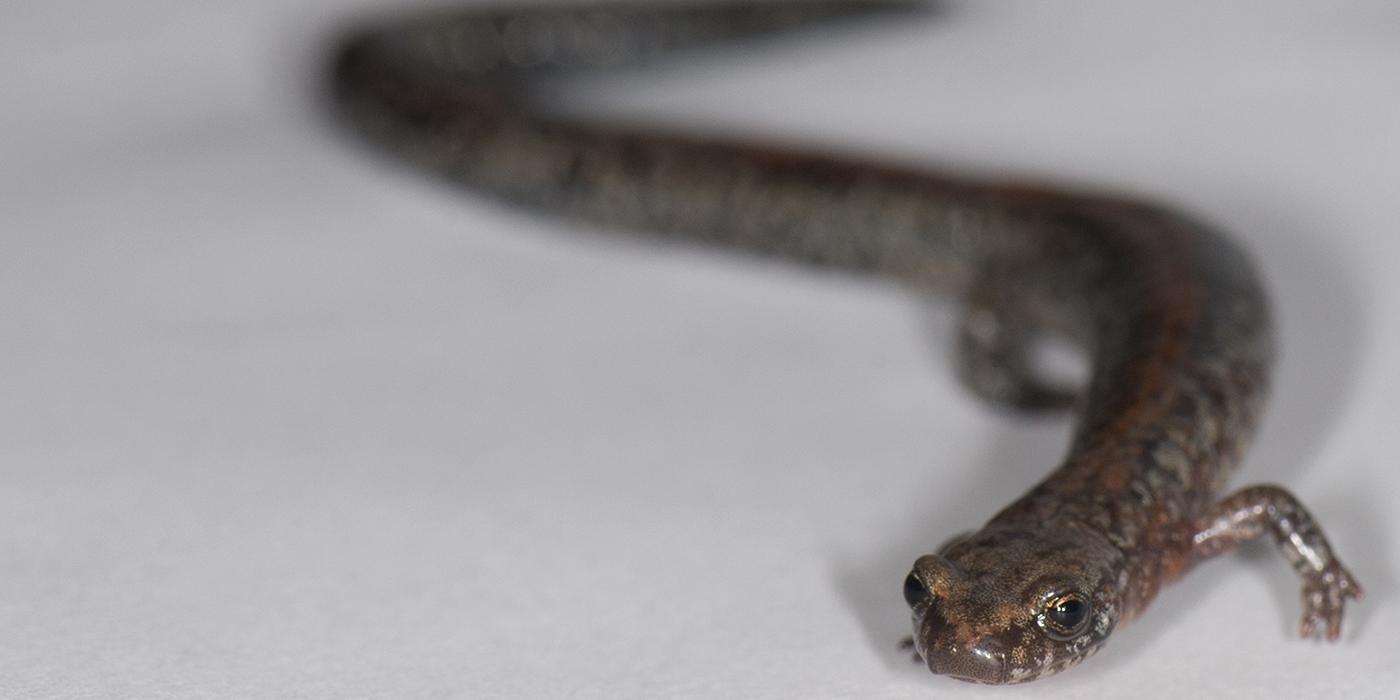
(1008, 606)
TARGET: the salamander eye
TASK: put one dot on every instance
(914, 591)
(1065, 616)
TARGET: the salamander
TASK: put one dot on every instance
(1171, 315)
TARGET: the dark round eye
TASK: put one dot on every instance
(1065, 616)
(914, 590)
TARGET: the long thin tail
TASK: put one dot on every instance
(1172, 313)
(511, 41)
(449, 92)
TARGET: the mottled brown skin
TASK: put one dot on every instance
(1171, 315)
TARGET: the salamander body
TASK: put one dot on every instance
(1170, 313)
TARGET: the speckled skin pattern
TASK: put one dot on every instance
(1171, 314)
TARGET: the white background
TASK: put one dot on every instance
(278, 419)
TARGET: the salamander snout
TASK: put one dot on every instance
(952, 642)
(983, 661)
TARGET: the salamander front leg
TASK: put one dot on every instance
(1253, 511)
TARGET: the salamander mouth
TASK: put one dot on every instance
(1000, 680)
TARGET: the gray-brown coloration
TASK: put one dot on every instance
(1170, 313)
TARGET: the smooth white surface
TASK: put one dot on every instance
(277, 420)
